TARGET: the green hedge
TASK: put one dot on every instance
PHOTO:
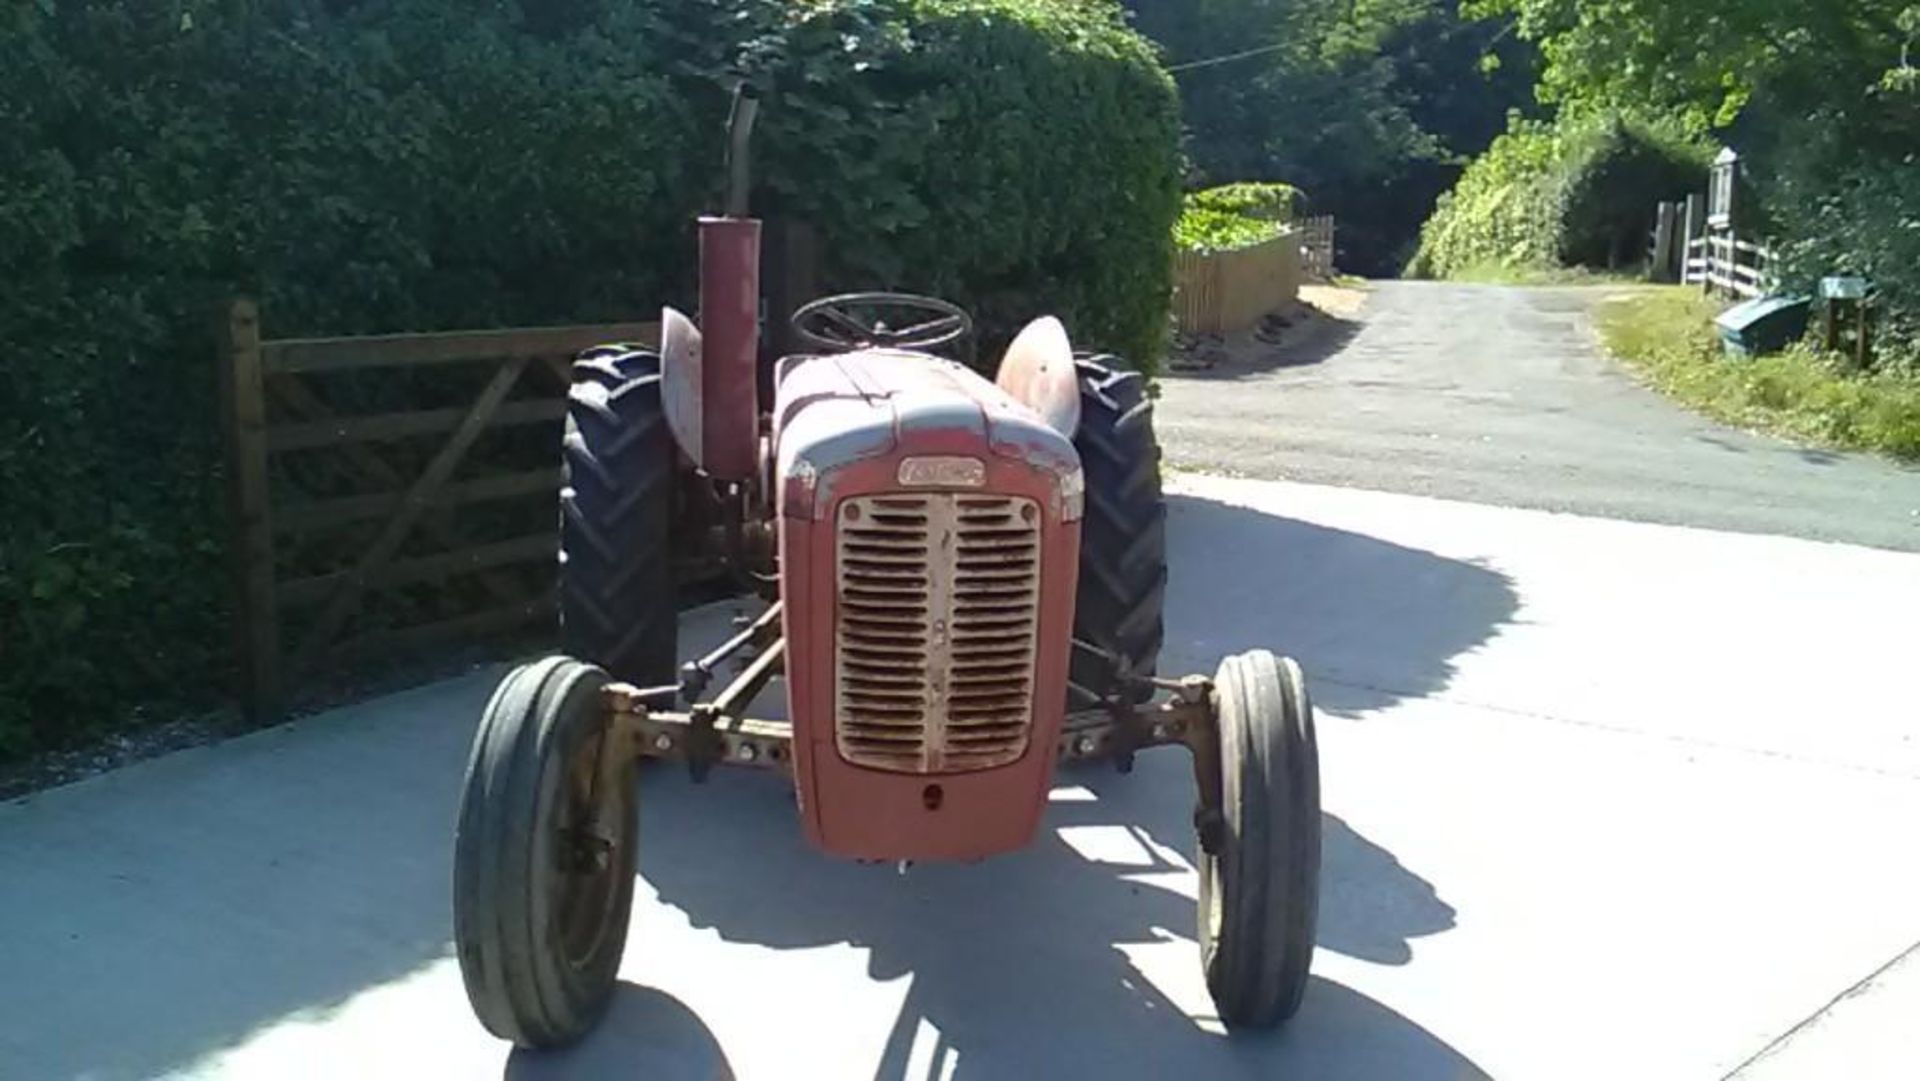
(389, 165)
(1571, 193)
(1234, 215)
(1018, 156)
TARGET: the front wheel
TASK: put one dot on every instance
(1260, 884)
(544, 857)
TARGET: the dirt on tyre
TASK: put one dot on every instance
(1260, 885)
(1123, 535)
(617, 590)
(544, 856)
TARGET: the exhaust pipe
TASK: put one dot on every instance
(730, 312)
(746, 105)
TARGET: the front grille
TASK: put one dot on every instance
(938, 605)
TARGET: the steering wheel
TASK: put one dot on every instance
(880, 321)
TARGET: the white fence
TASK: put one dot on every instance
(1719, 261)
(1687, 250)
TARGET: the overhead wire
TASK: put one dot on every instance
(1211, 61)
(1264, 49)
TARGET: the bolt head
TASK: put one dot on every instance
(662, 742)
(1085, 745)
(747, 752)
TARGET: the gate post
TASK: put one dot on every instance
(244, 416)
(1662, 268)
(1695, 224)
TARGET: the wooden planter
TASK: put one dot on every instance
(1227, 291)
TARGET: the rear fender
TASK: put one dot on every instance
(681, 385)
(1038, 371)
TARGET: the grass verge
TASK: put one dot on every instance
(1667, 336)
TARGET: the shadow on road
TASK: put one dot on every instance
(1059, 960)
(646, 1033)
(1372, 622)
(187, 902)
(1042, 963)
(1324, 337)
(200, 898)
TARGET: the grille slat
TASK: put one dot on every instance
(937, 615)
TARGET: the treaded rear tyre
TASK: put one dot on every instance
(1123, 538)
(617, 604)
(1260, 891)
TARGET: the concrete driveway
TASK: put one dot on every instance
(1604, 800)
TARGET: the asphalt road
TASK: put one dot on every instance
(1596, 807)
(1497, 394)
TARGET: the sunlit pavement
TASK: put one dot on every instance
(1604, 800)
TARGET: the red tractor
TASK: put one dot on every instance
(964, 580)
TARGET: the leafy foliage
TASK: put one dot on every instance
(1573, 193)
(1708, 62)
(1234, 216)
(411, 165)
(1202, 230)
(1266, 202)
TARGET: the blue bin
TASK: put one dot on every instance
(1764, 325)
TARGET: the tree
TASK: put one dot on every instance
(1709, 61)
(1369, 106)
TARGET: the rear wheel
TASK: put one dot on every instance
(1260, 886)
(617, 599)
(544, 857)
(1123, 537)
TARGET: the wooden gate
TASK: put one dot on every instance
(1316, 247)
(390, 493)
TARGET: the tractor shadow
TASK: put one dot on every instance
(1076, 957)
(1371, 622)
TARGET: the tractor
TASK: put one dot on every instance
(963, 580)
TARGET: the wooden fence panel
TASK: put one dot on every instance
(401, 489)
(1227, 291)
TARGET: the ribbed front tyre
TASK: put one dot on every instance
(545, 856)
(1260, 885)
